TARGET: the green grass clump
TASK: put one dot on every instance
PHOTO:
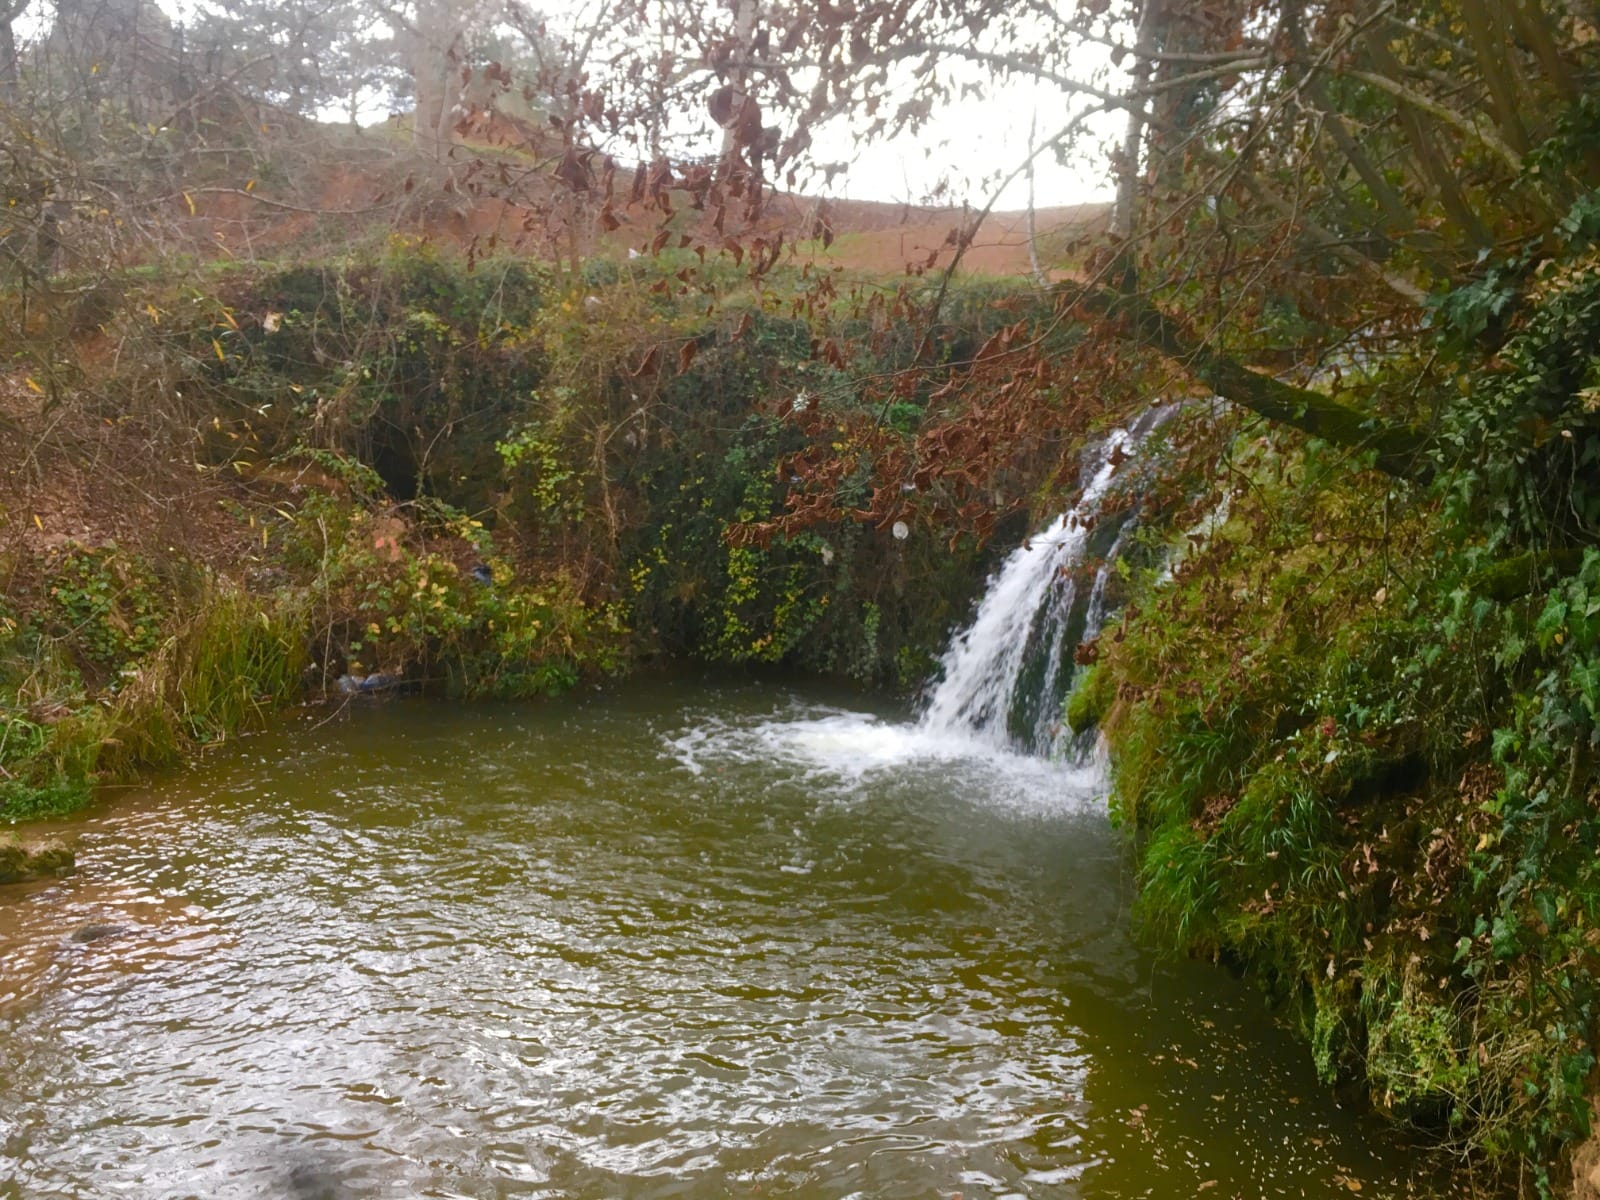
(220, 660)
(231, 662)
(1090, 699)
(1354, 733)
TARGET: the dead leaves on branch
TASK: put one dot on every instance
(822, 226)
(650, 366)
(597, 106)
(573, 170)
(991, 430)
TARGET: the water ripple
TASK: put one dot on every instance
(690, 945)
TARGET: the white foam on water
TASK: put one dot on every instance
(842, 753)
(966, 727)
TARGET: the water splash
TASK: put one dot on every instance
(832, 754)
(995, 719)
(1006, 675)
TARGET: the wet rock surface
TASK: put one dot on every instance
(22, 862)
(97, 932)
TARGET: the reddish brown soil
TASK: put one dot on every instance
(890, 239)
(69, 475)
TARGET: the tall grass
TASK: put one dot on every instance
(226, 660)
(231, 661)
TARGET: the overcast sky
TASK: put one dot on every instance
(970, 143)
(976, 139)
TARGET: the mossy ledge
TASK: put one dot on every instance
(26, 861)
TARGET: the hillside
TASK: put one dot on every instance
(305, 187)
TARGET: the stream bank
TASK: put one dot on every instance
(1353, 727)
(433, 470)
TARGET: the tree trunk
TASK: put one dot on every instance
(8, 52)
(1124, 212)
(1398, 447)
(1499, 72)
(744, 33)
(427, 75)
(1398, 219)
(1033, 222)
(432, 50)
(1434, 170)
(1533, 26)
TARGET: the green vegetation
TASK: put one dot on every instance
(1353, 698)
(1355, 732)
(380, 431)
(88, 702)
(1352, 723)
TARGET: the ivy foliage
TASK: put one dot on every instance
(1356, 731)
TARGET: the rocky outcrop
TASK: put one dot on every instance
(23, 861)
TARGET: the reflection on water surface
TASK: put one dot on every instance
(672, 941)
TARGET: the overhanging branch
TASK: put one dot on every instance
(1398, 447)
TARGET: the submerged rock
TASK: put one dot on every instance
(21, 862)
(350, 685)
(95, 933)
(315, 1182)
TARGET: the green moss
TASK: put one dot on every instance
(56, 797)
(20, 862)
(1416, 1062)
(1358, 754)
(1090, 699)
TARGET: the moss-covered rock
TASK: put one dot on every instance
(1090, 699)
(21, 862)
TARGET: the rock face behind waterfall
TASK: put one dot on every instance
(1006, 675)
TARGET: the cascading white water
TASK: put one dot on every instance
(1003, 674)
(999, 704)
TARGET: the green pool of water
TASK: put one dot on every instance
(673, 939)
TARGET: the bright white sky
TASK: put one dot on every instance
(973, 143)
(980, 139)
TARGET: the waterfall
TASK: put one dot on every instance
(1007, 673)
